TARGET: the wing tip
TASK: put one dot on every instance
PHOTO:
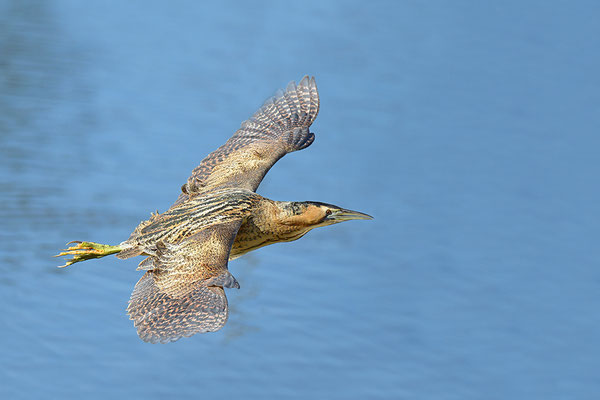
(299, 98)
(305, 80)
(149, 336)
(291, 86)
(308, 82)
(160, 318)
(313, 84)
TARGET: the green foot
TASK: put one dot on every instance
(87, 251)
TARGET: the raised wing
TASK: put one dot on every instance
(279, 127)
(181, 293)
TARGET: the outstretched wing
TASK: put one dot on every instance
(279, 127)
(181, 293)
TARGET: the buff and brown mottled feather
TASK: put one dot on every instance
(182, 291)
(279, 127)
(188, 246)
(219, 217)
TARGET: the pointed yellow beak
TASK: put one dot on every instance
(341, 215)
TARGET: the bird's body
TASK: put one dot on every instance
(219, 217)
(262, 222)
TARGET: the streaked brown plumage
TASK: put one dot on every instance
(219, 217)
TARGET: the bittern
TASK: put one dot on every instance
(218, 217)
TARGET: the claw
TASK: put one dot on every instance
(86, 251)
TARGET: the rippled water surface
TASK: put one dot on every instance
(469, 130)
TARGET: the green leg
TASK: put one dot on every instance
(87, 251)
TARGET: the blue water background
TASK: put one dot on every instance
(469, 130)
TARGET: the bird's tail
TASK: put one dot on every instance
(86, 251)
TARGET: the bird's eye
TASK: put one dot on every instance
(328, 212)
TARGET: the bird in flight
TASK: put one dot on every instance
(219, 217)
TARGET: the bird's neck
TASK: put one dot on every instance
(272, 222)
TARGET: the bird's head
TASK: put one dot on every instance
(312, 214)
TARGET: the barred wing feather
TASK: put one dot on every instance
(279, 127)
